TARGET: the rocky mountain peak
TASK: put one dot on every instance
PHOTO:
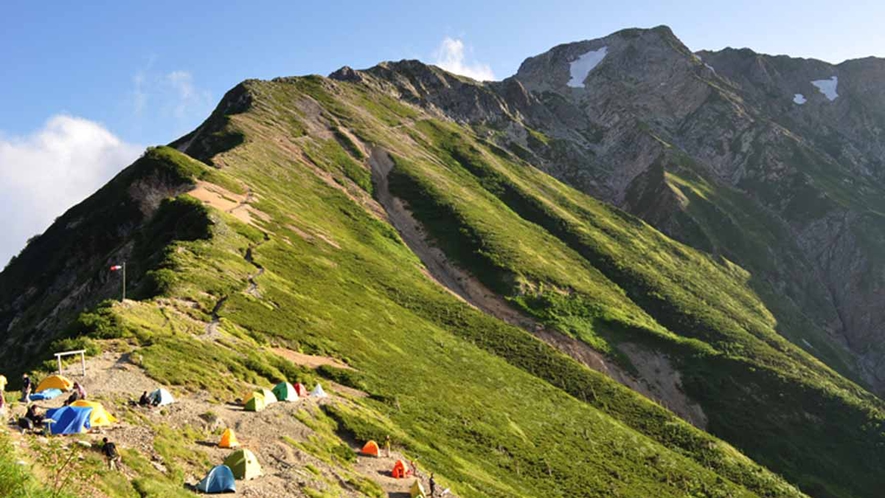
(574, 68)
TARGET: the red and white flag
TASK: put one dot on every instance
(116, 267)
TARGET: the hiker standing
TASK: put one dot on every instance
(387, 445)
(432, 485)
(26, 387)
(2, 404)
(110, 452)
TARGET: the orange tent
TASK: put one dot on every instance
(228, 439)
(370, 449)
(399, 470)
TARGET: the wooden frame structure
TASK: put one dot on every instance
(81, 352)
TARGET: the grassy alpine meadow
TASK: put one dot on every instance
(315, 266)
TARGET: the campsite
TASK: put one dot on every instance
(272, 442)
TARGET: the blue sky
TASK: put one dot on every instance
(85, 87)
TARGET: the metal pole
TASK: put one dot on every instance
(58, 357)
(124, 282)
(83, 362)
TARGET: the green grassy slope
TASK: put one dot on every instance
(778, 403)
(494, 411)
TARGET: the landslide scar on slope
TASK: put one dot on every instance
(658, 379)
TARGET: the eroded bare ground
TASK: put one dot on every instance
(658, 380)
(222, 199)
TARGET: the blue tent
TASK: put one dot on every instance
(219, 480)
(45, 394)
(161, 397)
(68, 419)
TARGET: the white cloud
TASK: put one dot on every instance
(451, 57)
(158, 95)
(45, 173)
(189, 101)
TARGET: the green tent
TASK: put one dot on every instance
(255, 402)
(243, 464)
(285, 392)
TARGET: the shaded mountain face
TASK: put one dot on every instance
(469, 250)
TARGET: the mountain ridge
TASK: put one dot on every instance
(506, 183)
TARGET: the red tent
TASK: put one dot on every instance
(301, 391)
(370, 449)
(399, 470)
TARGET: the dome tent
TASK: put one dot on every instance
(318, 392)
(228, 439)
(285, 392)
(161, 397)
(243, 464)
(55, 382)
(99, 416)
(417, 490)
(219, 480)
(399, 470)
(68, 420)
(370, 449)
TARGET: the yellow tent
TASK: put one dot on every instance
(228, 439)
(55, 382)
(269, 396)
(99, 416)
(255, 402)
(2, 382)
(417, 490)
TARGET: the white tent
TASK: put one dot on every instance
(161, 397)
(318, 392)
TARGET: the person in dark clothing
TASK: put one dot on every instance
(432, 485)
(26, 387)
(145, 400)
(33, 414)
(110, 452)
(73, 397)
(26, 424)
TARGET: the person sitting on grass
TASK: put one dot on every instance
(110, 452)
(144, 400)
(33, 414)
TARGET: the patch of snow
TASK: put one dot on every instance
(828, 87)
(807, 343)
(582, 66)
(710, 67)
(799, 99)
